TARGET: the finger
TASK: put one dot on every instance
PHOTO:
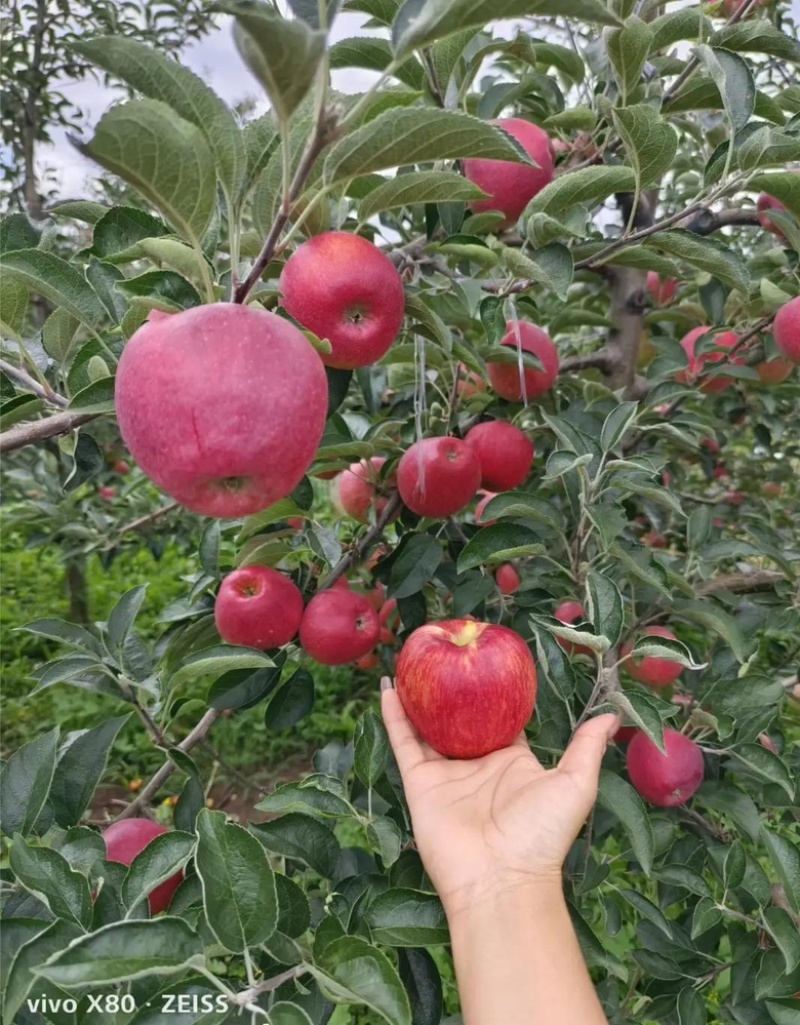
(408, 749)
(585, 752)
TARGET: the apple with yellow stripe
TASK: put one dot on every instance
(467, 687)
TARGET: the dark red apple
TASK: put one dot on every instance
(338, 626)
(624, 734)
(655, 672)
(223, 406)
(258, 607)
(505, 377)
(345, 290)
(507, 578)
(512, 186)
(467, 687)
(568, 613)
(129, 837)
(438, 476)
(698, 363)
(504, 452)
(786, 329)
(663, 290)
(665, 780)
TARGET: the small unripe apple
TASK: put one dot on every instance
(663, 290)
(107, 492)
(511, 186)
(438, 476)
(665, 780)
(775, 371)
(357, 489)
(345, 290)
(480, 509)
(568, 613)
(507, 578)
(655, 672)
(129, 837)
(505, 377)
(467, 687)
(122, 467)
(699, 362)
(338, 627)
(223, 406)
(786, 329)
(258, 607)
(504, 452)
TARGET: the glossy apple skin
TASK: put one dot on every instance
(339, 626)
(775, 371)
(698, 363)
(505, 377)
(655, 672)
(504, 452)
(507, 578)
(223, 406)
(786, 329)
(438, 476)
(665, 780)
(129, 837)
(258, 607)
(512, 186)
(357, 489)
(663, 290)
(345, 290)
(467, 687)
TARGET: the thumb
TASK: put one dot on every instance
(585, 752)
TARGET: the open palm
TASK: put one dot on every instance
(495, 821)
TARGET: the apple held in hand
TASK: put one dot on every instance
(512, 186)
(665, 780)
(506, 379)
(345, 290)
(786, 330)
(129, 837)
(339, 626)
(258, 607)
(467, 687)
(223, 406)
(698, 362)
(438, 476)
(655, 672)
(504, 452)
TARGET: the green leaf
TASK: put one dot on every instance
(239, 895)
(785, 859)
(52, 939)
(407, 918)
(375, 55)
(13, 305)
(48, 275)
(588, 185)
(550, 266)
(604, 606)
(371, 748)
(159, 78)
(757, 36)
(242, 688)
(301, 838)
(125, 950)
(97, 397)
(650, 142)
(17, 231)
(418, 187)
(628, 48)
(118, 232)
(785, 934)
(733, 78)
(617, 424)
(783, 1012)
(386, 839)
(619, 797)
(691, 1007)
(48, 876)
(725, 798)
(219, 660)
(292, 702)
(784, 186)
(352, 971)
(283, 55)
(645, 712)
(164, 158)
(160, 289)
(79, 770)
(103, 277)
(724, 625)
(705, 254)
(416, 135)
(79, 209)
(764, 765)
(284, 1013)
(423, 984)
(123, 616)
(499, 543)
(25, 783)
(415, 566)
(161, 859)
(317, 795)
(294, 910)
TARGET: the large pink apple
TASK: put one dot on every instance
(665, 780)
(511, 186)
(258, 607)
(786, 329)
(655, 672)
(338, 626)
(223, 406)
(438, 476)
(506, 378)
(504, 452)
(467, 687)
(699, 361)
(127, 838)
(345, 290)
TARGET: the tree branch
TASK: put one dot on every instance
(40, 430)
(741, 583)
(142, 522)
(366, 542)
(24, 380)
(706, 222)
(602, 359)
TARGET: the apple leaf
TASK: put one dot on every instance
(588, 185)
(650, 142)
(733, 78)
(415, 566)
(48, 275)
(300, 838)
(499, 543)
(785, 859)
(351, 971)
(375, 55)
(705, 254)
(628, 48)
(80, 768)
(551, 266)
(52, 938)
(160, 860)
(604, 606)
(25, 783)
(418, 187)
(618, 796)
(371, 748)
(687, 23)
(784, 186)
(48, 875)
(291, 703)
(407, 918)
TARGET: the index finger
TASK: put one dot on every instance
(409, 750)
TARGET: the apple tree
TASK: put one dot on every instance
(509, 336)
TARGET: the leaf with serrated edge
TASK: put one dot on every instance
(48, 275)
(418, 187)
(650, 142)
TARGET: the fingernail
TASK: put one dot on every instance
(386, 683)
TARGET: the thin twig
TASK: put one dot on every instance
(24, 380)
(41, 430)
(354, 558)
(142, 522)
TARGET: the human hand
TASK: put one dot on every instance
(495, 823)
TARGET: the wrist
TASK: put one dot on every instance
(504, 895)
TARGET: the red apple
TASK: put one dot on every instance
(733, 497)
(720, 472)
(438, 476)
(775, 371)
(122, 467)
(512, 186)
(699, 363)
(662, 290)
(624, 734)
(730, 7)
(654, 540)
(357, 489)
(711, 444)
(129, 837)
(468, 383)
(655, 672)
(764, 204)
(223, 406)
(345, 290)
(258, 607)
(467, 687)
(107, 492)
(368, 661)
(390, 623)
(296, 522)
(376, 596)
(507, 578)
(505, 377)
(504, 452)
(786, 329)
(568, 613)
(480, 508)
(338, 627)
(665, 780)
